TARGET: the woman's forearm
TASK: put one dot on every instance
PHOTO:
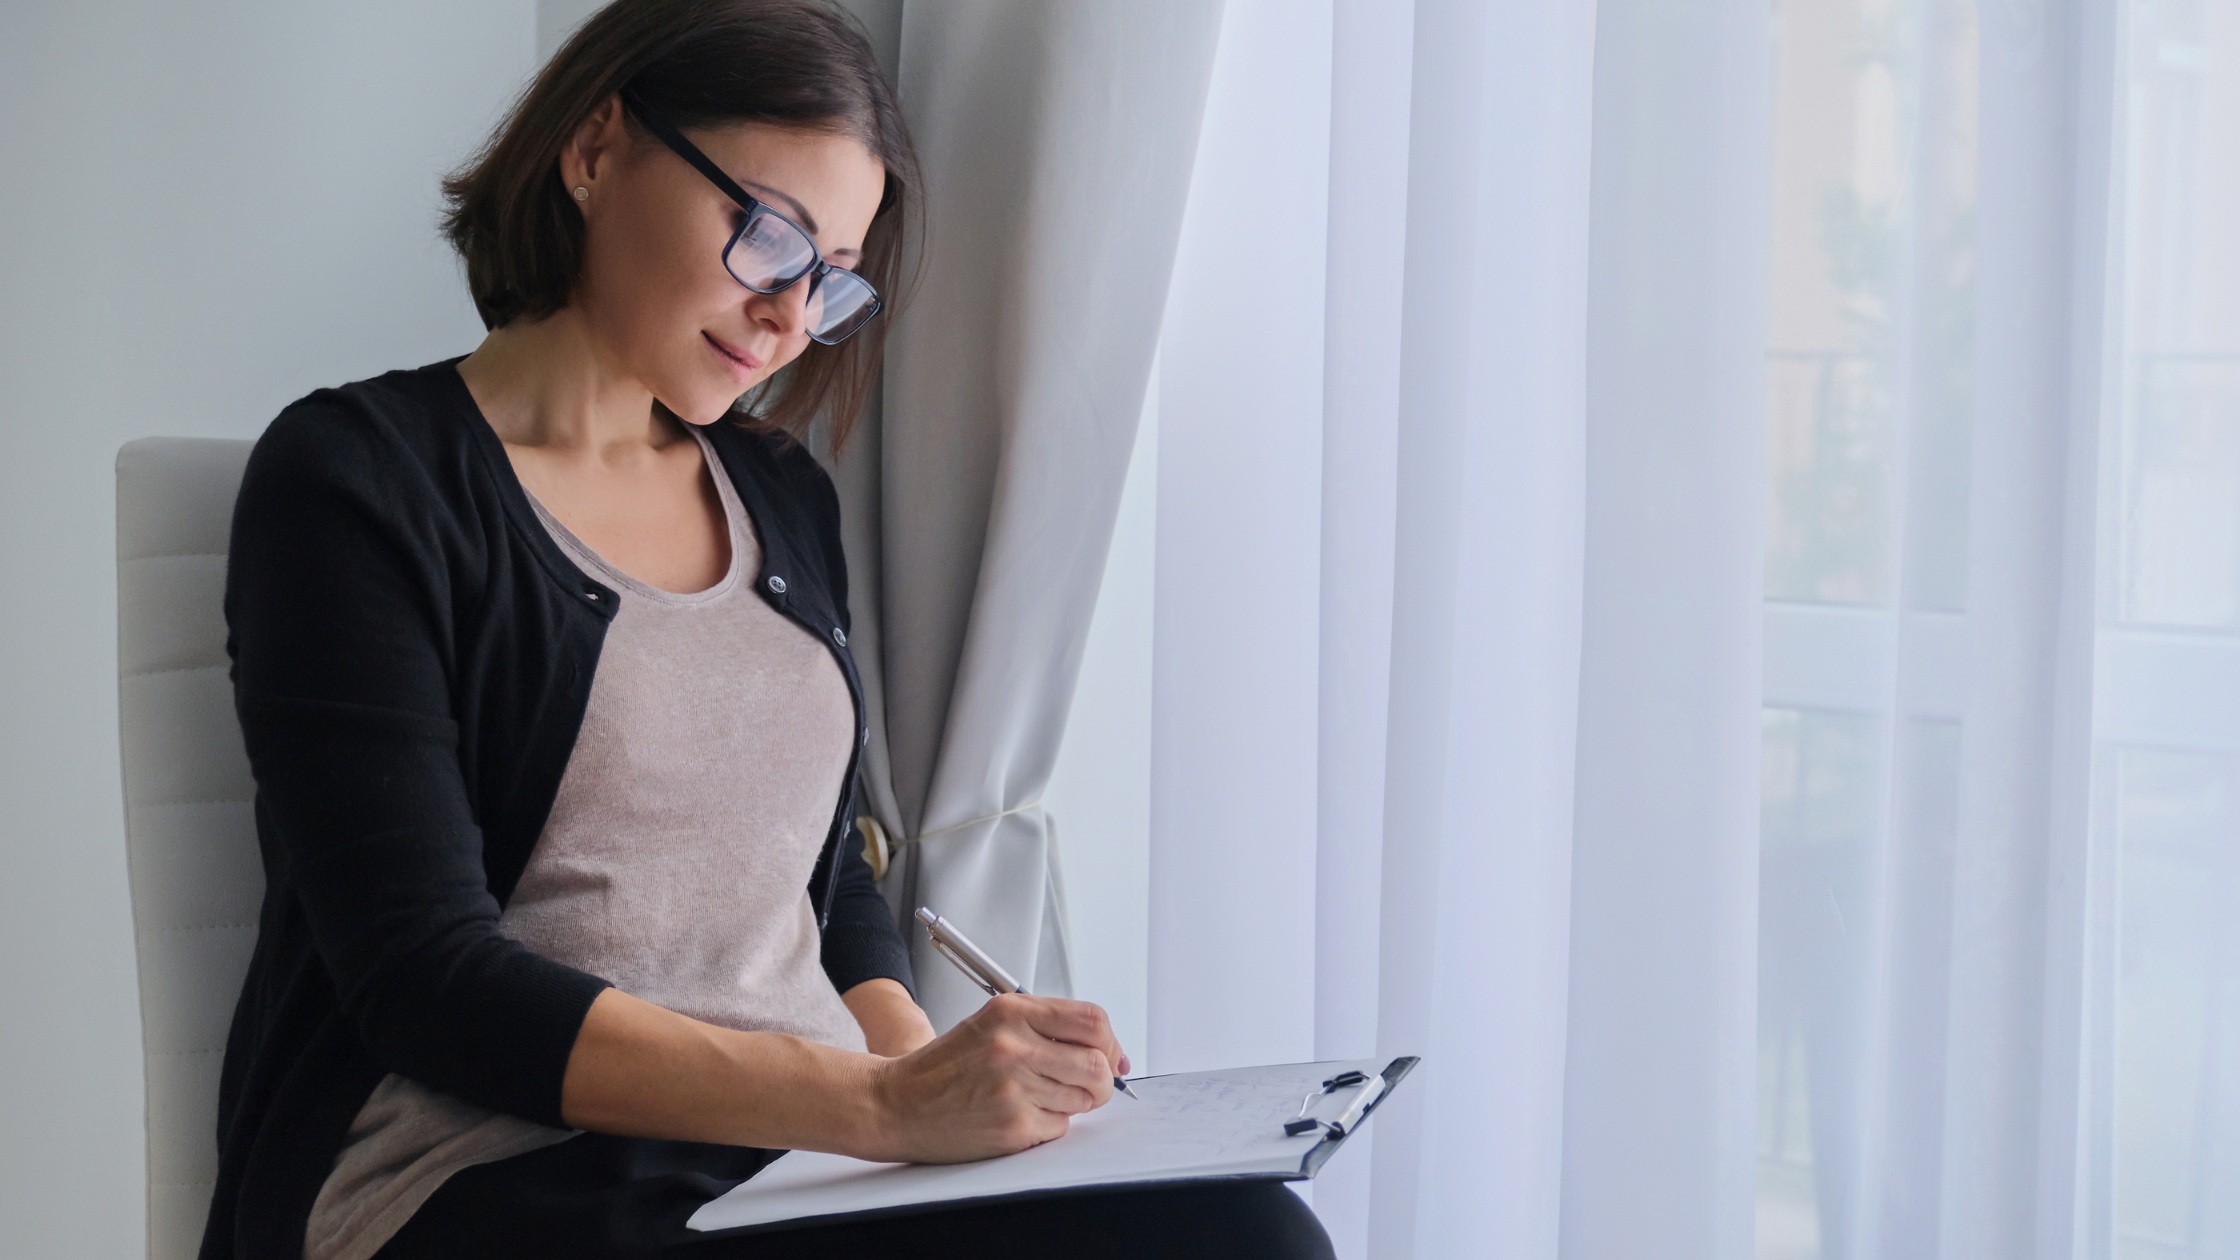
(1004, 1079)
(892, 1023)
(639, 1070)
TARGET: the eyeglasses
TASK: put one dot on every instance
(770, 253)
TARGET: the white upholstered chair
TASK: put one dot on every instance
(189, 836)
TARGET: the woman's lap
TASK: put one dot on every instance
(602, 1198)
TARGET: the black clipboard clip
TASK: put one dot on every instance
(1368, 1092)
(1373, 1090)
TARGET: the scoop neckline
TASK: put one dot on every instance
(578, 552)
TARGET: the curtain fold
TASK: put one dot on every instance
(1057, 143)
(1660, 1065)
(1372, 48)
(2013, 1083)
(1475, 846)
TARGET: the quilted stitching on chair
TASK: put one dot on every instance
(190, 839)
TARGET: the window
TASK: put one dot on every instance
(1869, 397)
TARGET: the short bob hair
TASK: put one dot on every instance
(700, 63)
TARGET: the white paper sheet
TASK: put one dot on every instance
(1189, 1125)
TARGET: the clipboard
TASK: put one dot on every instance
(1187, 1126)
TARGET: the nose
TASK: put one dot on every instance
(785, 313)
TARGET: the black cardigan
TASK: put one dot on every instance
(411, 659)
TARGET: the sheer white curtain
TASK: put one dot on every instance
(1525, 567)
(1996, 1008)
(1935, 363)
(1699, 587)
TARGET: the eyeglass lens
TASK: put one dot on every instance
(770, 255)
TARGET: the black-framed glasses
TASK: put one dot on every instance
(770, 253)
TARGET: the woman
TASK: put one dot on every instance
(541, 661)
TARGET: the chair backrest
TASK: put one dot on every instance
(191, 843)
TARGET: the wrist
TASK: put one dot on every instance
(789, 1093)
(878, 1113)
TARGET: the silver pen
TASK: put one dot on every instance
(979, 968)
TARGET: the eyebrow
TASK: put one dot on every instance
(801, 215)
(800, 212)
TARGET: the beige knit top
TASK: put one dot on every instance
(675, 863)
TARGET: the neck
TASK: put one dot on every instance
(551, 384)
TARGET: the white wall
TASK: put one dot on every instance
(558, 19)
(209, 210)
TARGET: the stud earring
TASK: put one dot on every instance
(582, 193)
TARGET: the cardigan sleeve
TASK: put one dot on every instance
(861, 941)
(339, 601)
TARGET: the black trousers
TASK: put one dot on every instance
(595, 1197)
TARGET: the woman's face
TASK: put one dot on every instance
(654, 290)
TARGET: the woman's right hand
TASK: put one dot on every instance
(1005, 1079)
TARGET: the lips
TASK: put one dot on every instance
(742, 364)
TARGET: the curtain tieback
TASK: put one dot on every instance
(878, 847)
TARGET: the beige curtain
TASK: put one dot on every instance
(980, 496)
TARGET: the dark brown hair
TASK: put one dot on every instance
(700, 63)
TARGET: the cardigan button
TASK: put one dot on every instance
(777, 585)
(840, 636)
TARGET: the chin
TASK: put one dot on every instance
(700, 404)
(705, 417)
